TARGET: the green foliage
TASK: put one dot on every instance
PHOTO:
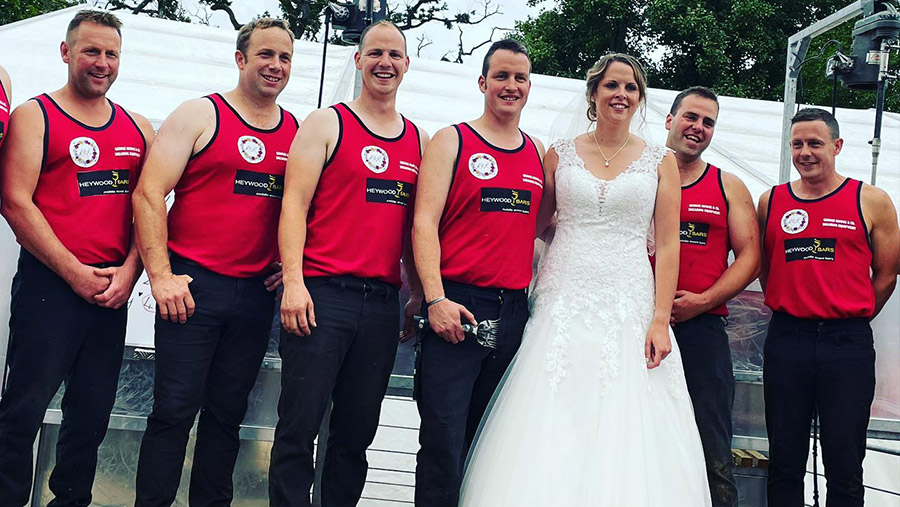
(567, 39)
(16, 10)
(737, 47)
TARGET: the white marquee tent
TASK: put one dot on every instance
(165, 63)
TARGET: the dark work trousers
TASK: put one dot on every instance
(824, 365)
(706, 355)
(455, 383)
(347, 360)
(208, 364)
(55, 337)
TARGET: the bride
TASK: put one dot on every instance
(594, 410)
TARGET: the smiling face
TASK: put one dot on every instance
(507, 83)
(692, 126)
(617, 95)
(92, 54)
(813, 150)
(266, 67)
(382, 60)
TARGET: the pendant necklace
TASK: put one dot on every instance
(607, 160)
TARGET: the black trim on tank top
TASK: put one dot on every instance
(215, 132)
(5, 95)
(246, 124)
(296, 123)
(817, 199)
(769, 213)
(112, 115)
(140, 132)
(862, 219)
(340, 137)
(724, 195)
(373, 134)
(491, 146)
(458, 156)
(698, 180)
(536, 152)
(46, 132)
(418, 137)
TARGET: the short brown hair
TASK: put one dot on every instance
(598, 70)
(383, 22)
(243, 38)
(98, 17)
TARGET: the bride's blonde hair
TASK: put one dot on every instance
(598, 70)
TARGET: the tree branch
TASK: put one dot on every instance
(462, 52)
(222, 6)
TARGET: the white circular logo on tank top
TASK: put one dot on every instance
(483, 166)
(84, 151)
(794, 221)
(375, 158)
(252, 149)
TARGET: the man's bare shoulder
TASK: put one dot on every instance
(28, 113)
(319, 118)
(733, 184)
(142, 122)
(194, 112)
(875, 199)
(6, 81)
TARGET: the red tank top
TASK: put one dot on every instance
(87, 176)
(228, 200)
(704, 234)
(359, 217)
(487, 229)
(819, 254)
(4, 112)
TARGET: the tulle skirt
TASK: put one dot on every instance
(599, 434)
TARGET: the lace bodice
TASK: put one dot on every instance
(597, 267)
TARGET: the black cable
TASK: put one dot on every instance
(815, 457)
(807, 60)
(324, 51)
(834, 94)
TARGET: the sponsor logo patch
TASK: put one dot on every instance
(111, 182)
(694, 233)
(375, 158)
(839, 223)
(84, 152)
(794, 221)
(704, 208)
(259, 184)
(388, 191)
(483, 166)
(809, 249)
(252, 149)
(506, 199)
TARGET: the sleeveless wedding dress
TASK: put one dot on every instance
(579, 420)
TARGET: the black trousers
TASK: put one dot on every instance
(208, 364)
(346, 360)
(706, 355)
(55, 337)
(455, 383)
(826, 366)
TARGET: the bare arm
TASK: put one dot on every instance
(666, 216)
(409, 266)
(548, 198)
(20, 168)
(122, 278)
(314, 143)
(178, 137)
(762, 210)
(885, 236)
(7, 85)
(435, 177)
(743, 234)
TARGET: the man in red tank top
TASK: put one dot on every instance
(830, 250)
(224, 155)
(352, 174)
(717, 215)
(67, 168)
(5, 101)
(473, 236)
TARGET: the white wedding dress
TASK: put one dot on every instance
(579, 420)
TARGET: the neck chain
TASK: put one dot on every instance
(607, 160)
